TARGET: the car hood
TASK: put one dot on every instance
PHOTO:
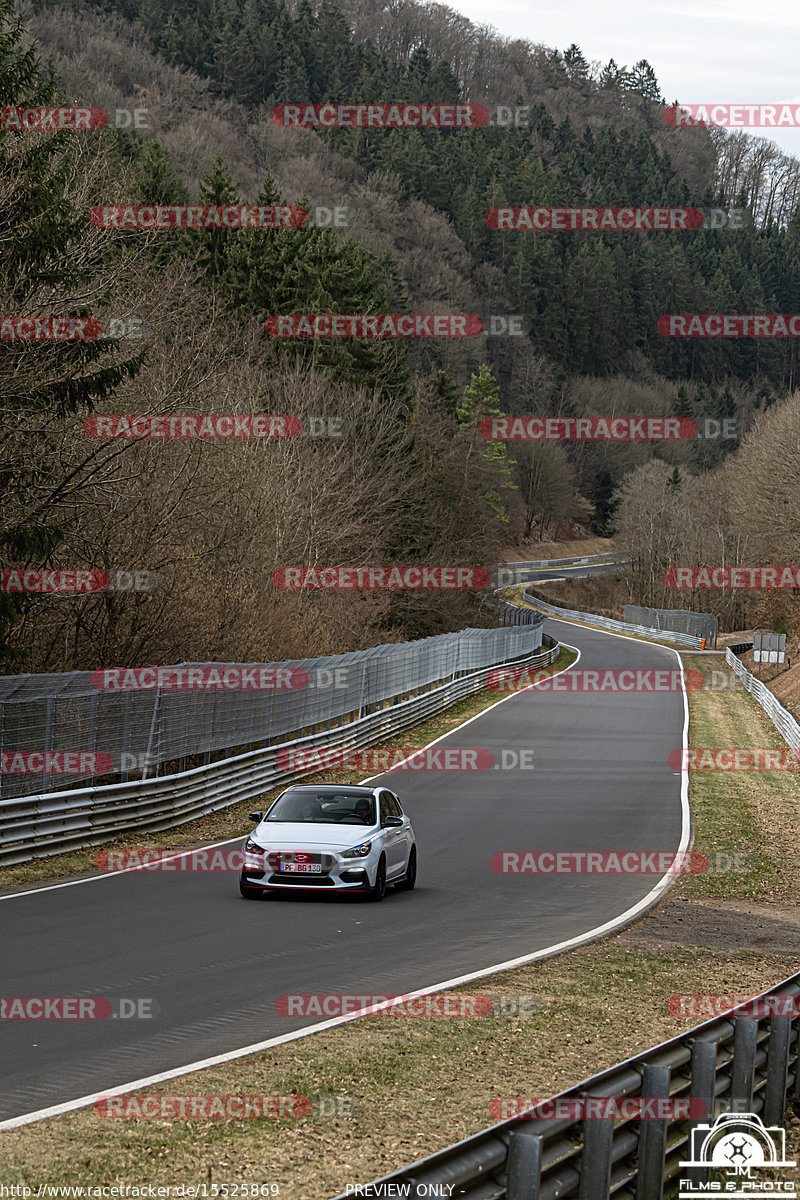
(301, 835)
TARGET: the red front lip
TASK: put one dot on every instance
(299, 887)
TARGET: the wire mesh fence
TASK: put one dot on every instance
(674, 620)
(110, 726)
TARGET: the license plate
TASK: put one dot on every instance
(303, 868)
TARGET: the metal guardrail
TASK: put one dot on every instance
(510, 574)
(732, 1063)
(41, 825)
(569, 614)
(609, 556)
(783, 720)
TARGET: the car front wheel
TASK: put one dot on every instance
(378, 891)
(406, 884)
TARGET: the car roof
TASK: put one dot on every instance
(338, 787)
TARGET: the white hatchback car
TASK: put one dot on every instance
(330, 837)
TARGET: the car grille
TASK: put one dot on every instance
(304, 880)
(273, 858)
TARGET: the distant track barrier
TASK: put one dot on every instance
(570, 614)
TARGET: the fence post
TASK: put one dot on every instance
(596, 1160)
(652, 1138)
(703, 1076)
(744, 1062)
(524, 1168)
(780, 1032)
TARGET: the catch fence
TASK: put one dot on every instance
(349, 701)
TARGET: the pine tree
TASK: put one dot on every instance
(157, 179)
(217, 187)
(682, 407)
(481, 402)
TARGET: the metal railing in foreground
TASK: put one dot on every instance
(40, 825)
(737, 1064)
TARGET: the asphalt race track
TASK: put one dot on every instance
(214, 964)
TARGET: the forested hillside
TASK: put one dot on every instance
(412, 481)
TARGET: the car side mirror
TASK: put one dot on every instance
(392, 822)
(256, 816)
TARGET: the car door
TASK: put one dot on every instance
(394, 842)
(407, 834)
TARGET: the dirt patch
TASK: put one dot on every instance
(731, 926)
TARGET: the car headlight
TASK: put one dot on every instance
(251, 847)
(358, 851)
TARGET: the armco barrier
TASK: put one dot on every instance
(570, 614)
(783, 721)
(740, 1064)
(40, 825)
(611, 557)
(510, 574)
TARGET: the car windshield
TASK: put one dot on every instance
(324, 807)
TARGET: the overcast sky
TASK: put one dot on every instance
(702, 51)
